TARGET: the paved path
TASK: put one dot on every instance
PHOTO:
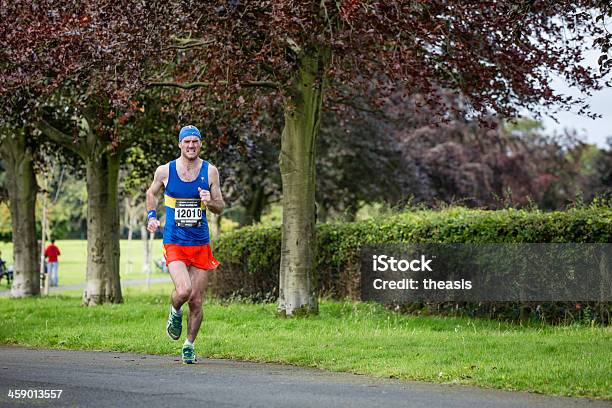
(131, 282)
(108, 379)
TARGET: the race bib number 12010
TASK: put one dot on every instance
(187, 213)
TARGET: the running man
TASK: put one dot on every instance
(191, 187)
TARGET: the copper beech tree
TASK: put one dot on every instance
(309, 54)
(70, 70)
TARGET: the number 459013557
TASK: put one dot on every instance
(35, 394)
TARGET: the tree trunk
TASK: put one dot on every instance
(43, 242)
(146, 261)
(103, 282)
(22, 189)
(350, 212)
(297, 164)
(322, 213)
(255, 207)
(215, 226)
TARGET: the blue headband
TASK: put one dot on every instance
(189, 130)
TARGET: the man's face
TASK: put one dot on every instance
(190, 147)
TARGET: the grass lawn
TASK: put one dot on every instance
(73, 260)
(346, 336)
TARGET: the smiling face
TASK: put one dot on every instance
(190, 147)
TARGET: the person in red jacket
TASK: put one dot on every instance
(51, 253)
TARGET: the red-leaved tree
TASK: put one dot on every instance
(72, 70)
(498, 55)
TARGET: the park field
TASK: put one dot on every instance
(346, 336)
(73, 260)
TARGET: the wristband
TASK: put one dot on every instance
(151, 214)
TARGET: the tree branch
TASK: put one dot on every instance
(88, 123)
(356, 106)
(60, 137)
(185, 44)
(200, 84)
(293, 46)
(185, 41)
(380, 113)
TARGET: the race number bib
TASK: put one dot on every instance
(187, 213)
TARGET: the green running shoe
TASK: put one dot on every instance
(188, 354)
(175, 325)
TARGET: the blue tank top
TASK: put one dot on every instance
(186, 222)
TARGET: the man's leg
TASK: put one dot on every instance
(180, 295)
(54, 277)
(199, 281)
(182, 283)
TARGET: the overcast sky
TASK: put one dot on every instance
(596, 131)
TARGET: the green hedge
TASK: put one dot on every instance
(250, 256)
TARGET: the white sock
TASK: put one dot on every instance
(178, 312)
(188, 343)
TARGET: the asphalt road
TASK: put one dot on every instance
(108, 379)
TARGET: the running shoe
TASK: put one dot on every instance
(188, 354)
(175, 325)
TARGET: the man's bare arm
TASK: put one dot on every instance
(216, 203)
(161, 174)
(156, 186)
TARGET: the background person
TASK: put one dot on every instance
(51, 253)
(4, 272)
